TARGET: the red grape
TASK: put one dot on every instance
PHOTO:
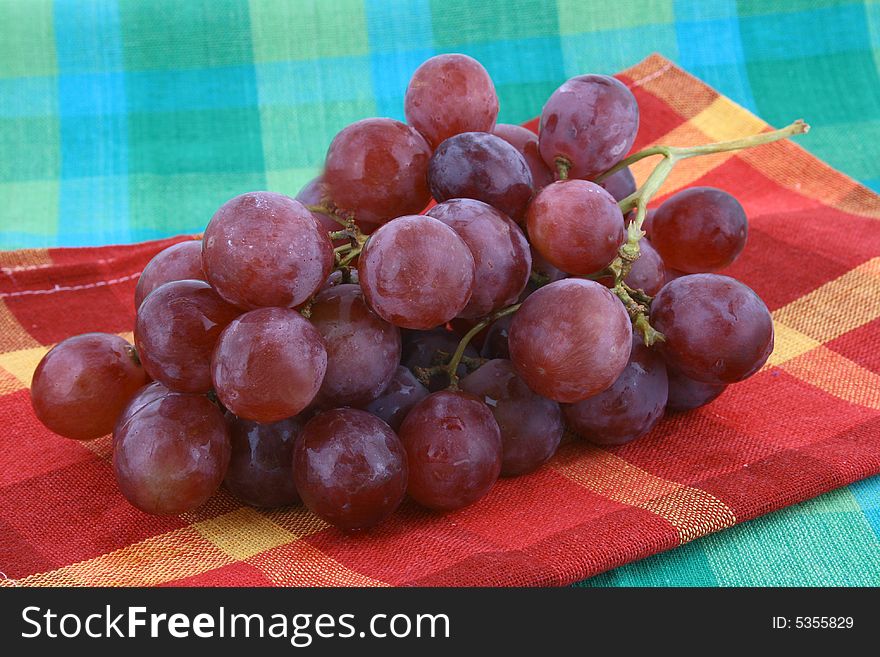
(501, 253)
(686, 394)
(403, 392)
(268, 364)
(82, 385)
(363, 350)
(177, 327)
(265, 249)
(179, 262)
(449, 94)
(570, 340)
(416, 272)
(648, 273)
(422, 349)
(701, 229)
(717, 330)
(531, 426)
(453, 447)
(526, 142)
(142, 397)
(350, 468)
(630, 407)
(171, 455)
(591, 122)
(259, 471)
(315, 194)
(376, 170)
(481, 166)
(672, 274)
(620, 184)
(576, 225)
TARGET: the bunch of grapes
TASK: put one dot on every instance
(429, 314)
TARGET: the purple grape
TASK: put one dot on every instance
(590, 123)
(259, 471)
(717, 330)
(630, 407)
(403, 392)
(531, 426)
(484, 167)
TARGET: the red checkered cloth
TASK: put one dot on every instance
(808, 422)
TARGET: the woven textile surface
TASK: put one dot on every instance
(125, 120)
(806, 424)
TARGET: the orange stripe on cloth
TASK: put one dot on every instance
(8, 383)
(693, 512)
(158, 559)
(13, 263)
(837, 375)
(299, 563)
(13, 335)
(666, 82)
(241, 535)
(685, 171)
(785, 164)
(721, 119)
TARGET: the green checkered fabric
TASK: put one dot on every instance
(126, 120)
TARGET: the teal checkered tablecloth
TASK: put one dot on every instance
(127, 120)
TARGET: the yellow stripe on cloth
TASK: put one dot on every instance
(243, 533)
(240, 535)
(719, 118)
(826, 313)
(837, 307)
(788, 344)
(693, 512)
(170, 556)
(302, 564)
(8, 383)
(21, 363)
(686, 171)
(724, 120)
(837, 375)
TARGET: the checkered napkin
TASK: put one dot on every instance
(807, 423)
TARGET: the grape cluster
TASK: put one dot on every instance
(342, 350)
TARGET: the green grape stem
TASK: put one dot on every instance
(330, 212)
(340, 234)
(452, 367)
(563, 166)
(629, 252)
(353, 252)
(538, 278)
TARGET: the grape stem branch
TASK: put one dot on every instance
(345, 253)
(452, 367)
(330, 212)
(629, 252)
